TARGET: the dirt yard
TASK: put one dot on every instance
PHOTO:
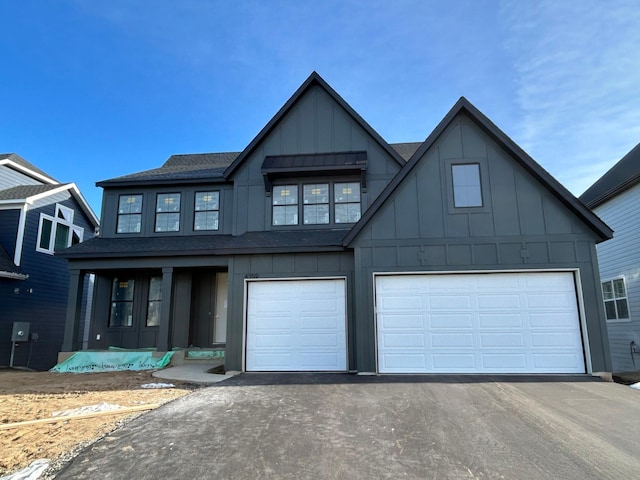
(34, 395)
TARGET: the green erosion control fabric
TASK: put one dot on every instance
(95, 362)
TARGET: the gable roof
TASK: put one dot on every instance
(186, 168)
(26, 167)
(528, 163)
(622, 176)
(313, 79)
(23, 192)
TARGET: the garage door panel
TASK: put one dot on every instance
(474, 323)
(439, 320)
(452, 340)
(296, 325)
(500, 321)
(503, 340)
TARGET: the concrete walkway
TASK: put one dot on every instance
(198, 374)
(311, 426)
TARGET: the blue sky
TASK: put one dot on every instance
(93, 90)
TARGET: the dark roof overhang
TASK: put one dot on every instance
(315, 164)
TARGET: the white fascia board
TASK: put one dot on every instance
(75, 192)
(31, 173)
(17, 256)
(13, 276)
(12, 204)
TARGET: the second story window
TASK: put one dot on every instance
(347, 202)
(58, 232)
(207, 211)
(615, 299)
(467, 190)
(168, 212)
(129, 214)
(285, 205)
(316, 203)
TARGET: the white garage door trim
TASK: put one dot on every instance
(529, 359)
(295, 324)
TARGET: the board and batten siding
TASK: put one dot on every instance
(315, 124)
(620, 257)
(521, 226)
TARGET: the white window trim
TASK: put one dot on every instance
(67, 213)
(616, 320)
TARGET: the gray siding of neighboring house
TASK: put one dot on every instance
(620, 257)
(315, 124)
(307, 265)
(110, 209)
(521, 226)
(42, 298)
(10, 178)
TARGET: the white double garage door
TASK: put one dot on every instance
(425, 323)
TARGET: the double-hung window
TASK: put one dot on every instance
(614, 294)
(129, 214)
(347, 202)
(285, 205)
(58, 232)
(207, 211)
(168, 212)
(316, 203)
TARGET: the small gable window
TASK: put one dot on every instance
(285, 205)
(58, 232)
(168, 212)
(467, 189)
(207, 211)
(614, 294)
(129, 214)
(347, 202)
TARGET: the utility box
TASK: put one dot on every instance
(20, 332)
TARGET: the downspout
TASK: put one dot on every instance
(17, 257)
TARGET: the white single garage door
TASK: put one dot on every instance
(296, 325)
(478, 323)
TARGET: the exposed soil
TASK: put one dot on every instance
(26, 395)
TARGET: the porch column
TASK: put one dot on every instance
(165, 309)
(74, 311)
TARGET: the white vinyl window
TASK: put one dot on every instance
(614, 294)
(58, 232)
(467, 190)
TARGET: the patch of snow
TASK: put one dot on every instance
(158, 385)
(100, 407)
(32, 472)
(636, 386)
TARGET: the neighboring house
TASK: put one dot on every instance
(39, 216)
(615, 198)
(320, 247)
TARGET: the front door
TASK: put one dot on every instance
(208, 309)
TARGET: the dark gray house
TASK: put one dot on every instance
(39, 216)
(321, 247)
(615, 198)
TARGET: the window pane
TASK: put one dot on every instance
(45, 234)
(316, 214)
(207, 201)
(122, 290)
(129, 223)
(153, 314)
(618, 287)
(168, 202)
(285, 195)
(155, 288)
(316, 193)
(206, 221)
(346, 192)
(347, 212)
(623, 310)
(285, 215)
(610, 309)
(130, 204)
(155, 301)
(62, 237)
(121, 314)
(466, 185)
(167, 222)
(607, 291)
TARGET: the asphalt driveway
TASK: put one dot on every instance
(341, 426)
